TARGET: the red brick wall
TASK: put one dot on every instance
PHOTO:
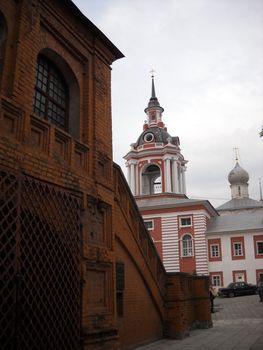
(144, 291)
(142, 320)
(185, 297)
(187, 304)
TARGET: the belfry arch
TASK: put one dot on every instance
(151, 180)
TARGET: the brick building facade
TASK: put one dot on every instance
(79, 269)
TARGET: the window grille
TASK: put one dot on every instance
(216, 280)
(40, 245)
(51, 96)
(214, 251)
(186, 221)
(238, 249)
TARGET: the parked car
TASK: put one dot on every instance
(237, 288)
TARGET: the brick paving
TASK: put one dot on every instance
(237, 324)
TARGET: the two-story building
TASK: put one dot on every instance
(235, 238)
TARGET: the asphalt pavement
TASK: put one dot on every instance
(237, 325)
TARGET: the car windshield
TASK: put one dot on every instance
(231, 285)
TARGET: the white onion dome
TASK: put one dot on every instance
(238, 175)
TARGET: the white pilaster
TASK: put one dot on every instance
(175, 175)
(128, 173)
(183, 180)
(179, 179)
(168, 175)
(132, 186)
(136, 179)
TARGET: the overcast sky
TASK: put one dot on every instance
(208, 58)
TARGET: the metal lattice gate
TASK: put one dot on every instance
(39, 266)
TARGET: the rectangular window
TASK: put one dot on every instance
(259, 248)
(260, 276)
(238, 251)
(186, 221)
(238, 248)
(216, 280)
(120, 285)
(149, 224)
(214, 250)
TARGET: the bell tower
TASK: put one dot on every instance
(155, 163)
(156, 175)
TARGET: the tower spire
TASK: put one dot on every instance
(153, 87)
(153, 102)
(153, 110)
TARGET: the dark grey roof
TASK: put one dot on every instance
(159, 134)
(235, 222)
(240, 203)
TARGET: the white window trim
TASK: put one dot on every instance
(234, 250)
(185, 217)
(217, 277)
(151, 228)
(182, 247)
(258, 253)
(211, 250)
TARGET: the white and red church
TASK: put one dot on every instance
(178, 225)
(156, 175)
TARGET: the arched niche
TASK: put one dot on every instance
(73, 90)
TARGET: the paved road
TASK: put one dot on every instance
(237, 325)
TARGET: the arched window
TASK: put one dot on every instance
(51, 94)
(151, 180)
(187, 246)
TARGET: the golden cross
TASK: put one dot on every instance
(152, 71)
(236, 152)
